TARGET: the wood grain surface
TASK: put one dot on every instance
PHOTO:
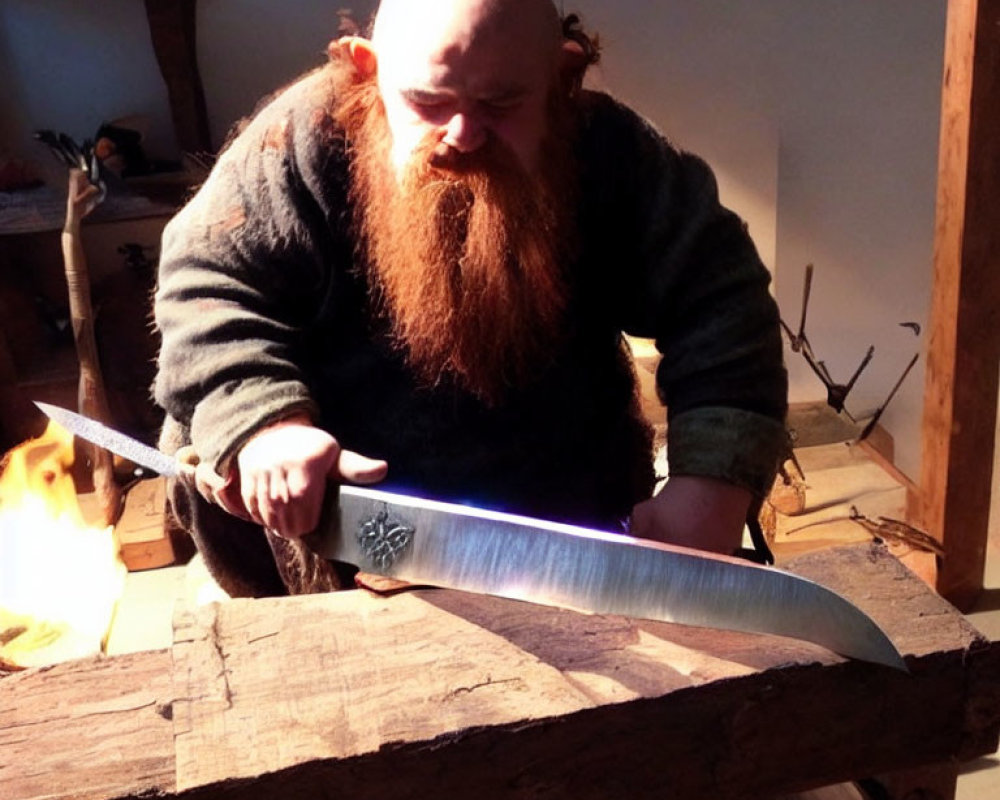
(436, 692)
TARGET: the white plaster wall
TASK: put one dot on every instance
(859, 107)
(820, 118)
(701, 72)
(70, 66)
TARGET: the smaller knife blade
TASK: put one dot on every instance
(115, 441)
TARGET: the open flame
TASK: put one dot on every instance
(60, 576)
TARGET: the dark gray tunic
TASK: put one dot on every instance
(264, 313)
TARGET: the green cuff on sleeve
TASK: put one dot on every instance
(741, 447)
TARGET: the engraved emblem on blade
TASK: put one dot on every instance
(383, 538)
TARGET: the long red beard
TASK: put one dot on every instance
(467, 261)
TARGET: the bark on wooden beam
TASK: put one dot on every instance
(434, 693)
(964, 344)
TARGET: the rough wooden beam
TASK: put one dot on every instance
(444, 694)
(964, 342)
(95, 728)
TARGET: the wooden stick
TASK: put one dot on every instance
(91, 396)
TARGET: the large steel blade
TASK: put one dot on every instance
(460, 547)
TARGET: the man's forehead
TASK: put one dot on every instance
(483, 74)
(444, 42)
(407, 17)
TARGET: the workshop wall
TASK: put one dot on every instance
(70, 66)
(857, 181)
(821, 120)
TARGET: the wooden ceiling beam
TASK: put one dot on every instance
(172, 27)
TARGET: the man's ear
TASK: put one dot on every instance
(360, 51)
(573, 63)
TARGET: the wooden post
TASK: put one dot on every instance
(172, 28)
(964, 344)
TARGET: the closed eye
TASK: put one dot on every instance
(503, 102)
(499, 108)
(426, 101)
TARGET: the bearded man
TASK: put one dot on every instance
(415, 265)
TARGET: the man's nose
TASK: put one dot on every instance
(464, 133)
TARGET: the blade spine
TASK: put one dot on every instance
(537, 523)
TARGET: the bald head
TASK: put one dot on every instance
(529, 27)
(465, 71)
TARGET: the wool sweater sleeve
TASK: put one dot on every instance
(238, 266)
(698, 287)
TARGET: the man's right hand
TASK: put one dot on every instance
(282, 473)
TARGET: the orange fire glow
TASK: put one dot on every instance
(60, 576)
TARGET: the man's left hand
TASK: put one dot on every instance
(694, 511)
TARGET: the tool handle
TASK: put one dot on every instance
(188, 464)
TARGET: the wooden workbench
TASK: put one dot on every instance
(433, 693)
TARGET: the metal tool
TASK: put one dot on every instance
(75, 156)
(836, 393)
(461, 547)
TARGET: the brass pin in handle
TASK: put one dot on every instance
(187, 462)
(189, 468)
